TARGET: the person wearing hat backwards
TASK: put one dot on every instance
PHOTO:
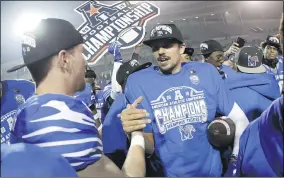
(272, 61)
(251, 87)
(55, 120)
(180, 100)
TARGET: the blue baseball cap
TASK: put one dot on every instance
(27, 160)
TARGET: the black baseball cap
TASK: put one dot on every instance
(164, 31)
(249, 60)
(272, 41)
(210, 46)
(189, 51)
(48, 38)
(128, 68)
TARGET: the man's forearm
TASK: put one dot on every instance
(134, 165)
(241, 123)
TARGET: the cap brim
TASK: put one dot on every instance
(13, 69)
(208, 53)
(149, 42)
(257, 70)
(271, 44)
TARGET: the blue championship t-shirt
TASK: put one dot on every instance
(14, 93)
(181, 105)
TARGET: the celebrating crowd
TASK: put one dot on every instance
(149, 120)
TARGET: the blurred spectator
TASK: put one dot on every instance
(13, 94)
(187, 55)
(271, 60)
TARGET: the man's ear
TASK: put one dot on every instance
(64, 62)
(182, 48)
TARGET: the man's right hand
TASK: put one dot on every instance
(134, 119)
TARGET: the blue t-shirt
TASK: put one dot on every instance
(14, 93)
(181, 106)
(63, 125)
(253, 92)
(113, 136)
(27, 160)
(261, 145)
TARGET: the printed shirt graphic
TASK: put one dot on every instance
(61, 124)
(181, 105)
(278, 72)
(14, 93)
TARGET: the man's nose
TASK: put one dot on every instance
(161, 50)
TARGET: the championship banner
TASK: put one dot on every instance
(123, 22)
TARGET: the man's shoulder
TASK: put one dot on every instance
(143, 74)
(49, 104)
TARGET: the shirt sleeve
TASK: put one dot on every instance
(66, 128)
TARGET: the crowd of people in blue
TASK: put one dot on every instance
(149, 120)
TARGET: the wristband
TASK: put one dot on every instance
(137, 138)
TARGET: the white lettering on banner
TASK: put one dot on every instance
(109, 21)
(185, 107)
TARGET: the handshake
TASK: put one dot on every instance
(133, 119)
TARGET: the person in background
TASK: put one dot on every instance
(113, 89)
(271, 60)
(88, 96)
(187, 55)
(113, 137)
(13, 94)
(213, 53)
(27, 160)
(181, 99)
(55, 120)
(251, 87)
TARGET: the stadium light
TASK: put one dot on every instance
(183, 19)
(196, 17)
(26, 22)
(171, 21)
(212, 14)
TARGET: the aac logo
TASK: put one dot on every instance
(122, 22)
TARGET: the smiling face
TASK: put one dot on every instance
(167, 53)
(270, 52)
(216, 58)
